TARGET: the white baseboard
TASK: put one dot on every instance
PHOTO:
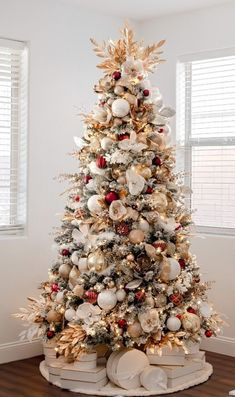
(221, 344)
(19, 350)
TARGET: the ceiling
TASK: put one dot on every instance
(141, 10)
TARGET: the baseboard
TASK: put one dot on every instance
(19, 350)
(221, 344)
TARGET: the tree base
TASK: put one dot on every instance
(111, 390)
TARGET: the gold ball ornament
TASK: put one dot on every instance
(130, 257)
(73, 275)
(191, 322)
(143, 170)
(121, 180)
(160, 201)
(135, 330)
(118, 90)
(53, 316)
(160, 300)
(136, 236)
(78, 290)
(96, 261)
(64, 270)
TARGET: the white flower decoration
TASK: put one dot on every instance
(119, 157)
(169, 225)
(131, 144)
(79, 142)
(135, 182)
(132, 67)
(149, 320)
(84, 236)
(102, 114)
(117, 210)
(89, 313)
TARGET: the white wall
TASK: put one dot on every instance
(208, 29)
(62, 74)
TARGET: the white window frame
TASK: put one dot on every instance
(186, 141)
(19, 140)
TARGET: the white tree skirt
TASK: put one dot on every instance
(111, 390)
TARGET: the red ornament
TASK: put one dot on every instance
(139, 296)
(87, 178)
(101, 162)
(179, 316)
(191, 310)
(91, 296)
(50, 334)
(65, 252)
(149, 190)
(146, 92)
(122, 323)
(160, 245)
(208, 333)
(77, 198)
(123, 136)
(110, 197)
(157, 161)
(55, 287)
(117, 75)
(176, 298)
(122, 228)
(160, 130)
(182, 263)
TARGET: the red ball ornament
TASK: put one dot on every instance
(123, 229)
(122, 137)
(146, 92)
(91, 296)
(117, 75)
(176, 298)
(50, 334)
(87, 178)
(160, 130)
(157, 161)
(122, 323)
(179, 316)
(65, 252)
(191, 310)
(110, 197)
(208, 333)
(77, 198)
(139, 296)
(160, 245)
(149, 190)
(101, 162)
(182, 263)
(55, 287)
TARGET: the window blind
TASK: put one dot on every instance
(206, 130)
(13, 135)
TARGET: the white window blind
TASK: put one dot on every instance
(13, 135)
(206, 130)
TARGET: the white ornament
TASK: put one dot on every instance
(106, 143)
(59, 297)
(173, 323)
(117, 210)
(107, 300)
(134, 284)
(82, 265)
(121, 294)
(96, 170)
(88, 313)
(118, 90)
(206, 309)
(143, 225)
(93, 203)
(69, 314)
(175, 268)
(120, 108)
(74, 258)
(135, 182)
(153, 378)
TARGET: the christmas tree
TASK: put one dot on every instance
(124, 275)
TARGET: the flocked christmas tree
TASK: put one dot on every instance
(124, 276)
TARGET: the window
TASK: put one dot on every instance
(13, 136)
(206, 130)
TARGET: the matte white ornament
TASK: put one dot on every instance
(175, 268)
(107, 300)
(69, 314)
(106, 143)
(206, 309)
(121, 294)
(82, 265)
(173, 323)
(153, 378)
(120, 108)
(74, 258)
(59, 297)
(93, 203)
(144, 225)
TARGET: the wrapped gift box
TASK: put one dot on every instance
(190, 366)
(169, 356)
(86, 361)
(92, 375)
(50, 360)
(75, 384)
(49, 349)
(175, 382)
(192, 347)
(55, 371)
(200, 356)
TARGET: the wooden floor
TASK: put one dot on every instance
(22, 379)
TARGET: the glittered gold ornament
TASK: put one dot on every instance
(191, 322)
(78, 290)
(136, 236)
(132, 99)
(143, 170)
(135, 330)
(160, 201)
(170, 249)
(64, 270)
(53, 316)
(160, 300)
(96, 261)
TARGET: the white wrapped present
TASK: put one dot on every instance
(86, 361)
(190, 366)
(49, 349)
(124, 368)
(200, 356)
(50, 360)
(167, 356)
(91, 375)
(175, 382)
(153, 379)
(55, 371)
(192, 347)
(76, 385)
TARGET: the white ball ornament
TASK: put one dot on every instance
(144, 225)
(69, 314)
(175, 268)
(59, 297)
(206, 309)
(107, 300)
(64, 270)
(120, 108)
(74, 258)
(106, 143)
(121, 294)
(82, 265)
(93, 203)
(173, 323)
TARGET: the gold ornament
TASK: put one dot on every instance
(73, 275)
(78, 290)
(143, 170)
(191, 322)
(136, 236)
(130, 257)
(64, 270)
(96, 261)
(160, 201)
(118, 90)
(53, 316)
(160, 300)
(150, 251)
(170, 248)
(132, 99)
(121, 180)
(135, 330)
